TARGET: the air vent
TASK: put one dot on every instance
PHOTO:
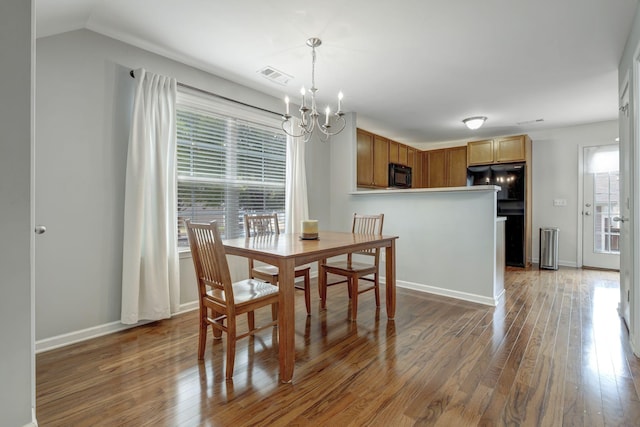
(275, 76)
(529, 122)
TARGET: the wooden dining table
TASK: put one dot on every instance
(286, 251)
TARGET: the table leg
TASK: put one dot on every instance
(390, 279)
(286, 319)
(322, 285)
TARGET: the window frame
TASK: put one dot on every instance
(202, 103)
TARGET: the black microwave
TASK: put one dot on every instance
(399, 175)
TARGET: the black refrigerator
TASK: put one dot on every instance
(511, 200)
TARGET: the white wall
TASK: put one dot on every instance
(628, 69)
(17, 387)
(83, 116)
(556, 175)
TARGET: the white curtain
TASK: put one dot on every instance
(297, 206)
(150, 275)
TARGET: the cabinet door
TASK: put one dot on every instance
(510, 149)
(393, 152)
(437, 168)
(424, 175)
(457, 166)
(380, 161)
(365, 158)
(480, 152)
(411, 157)
(403, 154)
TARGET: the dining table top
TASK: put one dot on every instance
(291, 245)
(286, 251)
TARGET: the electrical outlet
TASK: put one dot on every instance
(559, 202)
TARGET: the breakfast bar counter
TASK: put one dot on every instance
(452, 242)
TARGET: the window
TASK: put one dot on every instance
(230, 162)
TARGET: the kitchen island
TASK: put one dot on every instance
(451, 241)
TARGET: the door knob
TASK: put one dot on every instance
(40, 229)
(587, 213)
(620, 218)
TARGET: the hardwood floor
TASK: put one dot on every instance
(553, 352)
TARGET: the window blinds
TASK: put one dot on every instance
(227, 166)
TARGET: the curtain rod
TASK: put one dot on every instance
(206, 92)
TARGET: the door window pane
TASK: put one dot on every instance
(606, 199)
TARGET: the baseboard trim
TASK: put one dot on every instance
(450, 293)
(34, 422)
(63, 340)
(561, 263)
(97, 331)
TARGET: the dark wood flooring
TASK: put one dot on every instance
(553, 352)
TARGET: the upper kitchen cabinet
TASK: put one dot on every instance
(457, 164)
(393, 152)
(499, 150)
(373, 160)
(480, 152)
(446, 167)
(403, 155)
(398, 153)
(414, 161)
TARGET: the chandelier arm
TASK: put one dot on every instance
(340, 121)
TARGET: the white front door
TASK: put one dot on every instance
(601, 210)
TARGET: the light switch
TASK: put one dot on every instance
(559, 202)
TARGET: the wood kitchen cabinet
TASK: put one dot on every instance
(446, 167)
(414, 161)
(403, 155)
(499, 150)
(398, 153)
(374, 155)
(393, 152)
(457, 164)
(373, 160)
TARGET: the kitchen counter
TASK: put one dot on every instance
(451, 239)
(473, 189)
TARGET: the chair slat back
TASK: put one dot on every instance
(261, 225)
(210, 260)
(367, 224)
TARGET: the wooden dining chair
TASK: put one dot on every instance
(267, 225)
(355, 271)
(221, 300)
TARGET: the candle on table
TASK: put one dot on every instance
(310, 228)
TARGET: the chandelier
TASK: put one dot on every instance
(309, 117)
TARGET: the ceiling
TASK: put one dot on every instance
(410, 69)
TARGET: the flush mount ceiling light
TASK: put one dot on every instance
(474, 122)
(309, 117)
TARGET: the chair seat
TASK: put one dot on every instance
(246, 291)
(344, 267)
(272, 270)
